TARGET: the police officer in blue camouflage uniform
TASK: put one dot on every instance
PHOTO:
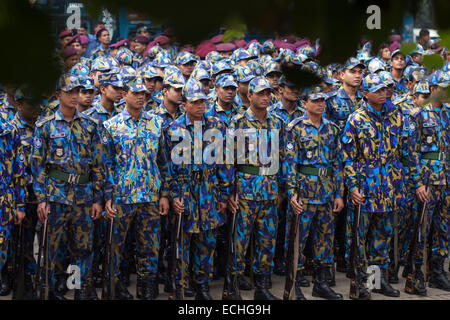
(199, 190)
(313, 170)
(68, 181)
(87, 93)
(8, 105)
(257, 184)
(288, 107)
(243, 75)
(430, 159)
(136, 187)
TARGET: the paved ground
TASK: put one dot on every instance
(342, 286)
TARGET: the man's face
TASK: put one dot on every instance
(206, 85)
(385, 54)
(243, 88)
(71, 61)
(150, 84)
(420, 99)
(195, 109)
(145, 34)
(173, 95)
(82, 50)
(86, 97)
(226, 94)
(273, 78)
(135, 100)
(139, 47)
(426, 39)
(411, 84)
(112, 93)
(398, 62)
(104, 37)
(158, 84)
(65, 41)
(417, 58)
(376, 98)
(226, 54)
(352, 77)
(260, 100)
(28, 111)
(187, 68)
(77, 47)
(290, 93)
(315, 107)
(82, 31)
(69, 99)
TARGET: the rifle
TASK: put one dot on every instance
(18, 264)
(41, 283)
(410, 285)
(108, 277)
(292, 256)
(230, 283)
(175, 256)
(355, 279)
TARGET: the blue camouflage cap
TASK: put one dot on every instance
(415, 73)
(373, 83)
(226, 80)
(243, 74)
(386, 77)
(439, 78)
(137, 85)
(124, 56)
(204, 64)
(80, 69)
(161, 60)
(153, 52)
(148, 72)
(68, 82)
(200, 74)
(185, 57)
(271, 67)
(240, 54)
(100, 64)
(422, 87)
(329, 80)
(258, 84)
(87, 83)
(308, 51)
(221, 66)
(363, 56)
(418, 50)
(398, 51)
(213, 57)
(353, 63)
(128, 74)
(173, 77)
(316, 93)
(268, 45)
(375, 66)
(255, 67)
(23, 93)
(110, 78)
(193, 90)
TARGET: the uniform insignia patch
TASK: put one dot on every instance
(37, 142)
(429, 139)
(22, 157)
(309, 154)
(59, 152)
(290, 146)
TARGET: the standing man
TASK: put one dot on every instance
(186, 62)
(103, 49)
(8, 106)
(313, 167)
(288, 108)
(372, 144)
(257, 185)
(136, 188)
(200, 190)
(430, 158)
(243, 75)
(87, 93)
(398, 65)
(68, 181)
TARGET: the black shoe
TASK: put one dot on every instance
(341, 266)
(406, 271)
(262, 286)
(202, 292)
(298, 284)
(29, 292)
(393, 275)
(386, 289)
(54, 295)
(438, 278)
(301, 280)
(234, 290)
(280, 267)
(322, 288)
(146, 289)
(121, 292)
(244, 284)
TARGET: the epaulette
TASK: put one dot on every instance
(40, 122)
(293, 123)
(237, 117)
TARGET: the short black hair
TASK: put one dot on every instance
(424, 32)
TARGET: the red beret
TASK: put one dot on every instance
(278, 43)
(224, 47)
(65, 33)
(99, 32)
(217, 39)
(68, 52)
(124, 42)
(75, 38)
(162, 40)
(83, 39)
(289, 39)
(204, 48)
(287, 45)
(141, 39)
(241, 43)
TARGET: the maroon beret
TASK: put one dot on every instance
(278, 43)
(241, 43)
(217, 39)
(141, 39)
(162, 40)
(68, 52)
(99, 32)
(120, 43)
(290, 39)
(224, 47)
(83, 39)
(204, 48)
(75, 38)
(287, 45)
(65, 33)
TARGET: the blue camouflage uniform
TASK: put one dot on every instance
(7, 110)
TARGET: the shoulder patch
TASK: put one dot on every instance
(40, 122)
(293, 123)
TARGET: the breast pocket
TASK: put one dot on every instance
(430, 138)
(309, 151)
(369, 142)
(59, 149)
(371, 182)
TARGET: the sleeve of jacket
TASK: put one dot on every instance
(349, 155)
(338, 169)
(290, 161)
(38, 159)
(163, 164)
(417, 172)
(281, 154)
(98, 172)
(19, 172)
(110, 164)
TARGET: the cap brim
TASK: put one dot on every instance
(260, 89)
(362, 65)
(139, 88)
(376, 88)
(247, 79)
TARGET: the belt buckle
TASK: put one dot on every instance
(197, 175)
(442, 156)
(263, 171)
(322, 172)
(73, 178)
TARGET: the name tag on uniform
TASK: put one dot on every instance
(429, 124)
(342, 109)
(306, 139)
(57, 135)
(364, 126)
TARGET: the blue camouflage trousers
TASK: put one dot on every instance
(5, 243)
(147, 224)
(261, 218)
(437, 213)
(375, 232)
(76, 224)
(202, 245)
(317, 222)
